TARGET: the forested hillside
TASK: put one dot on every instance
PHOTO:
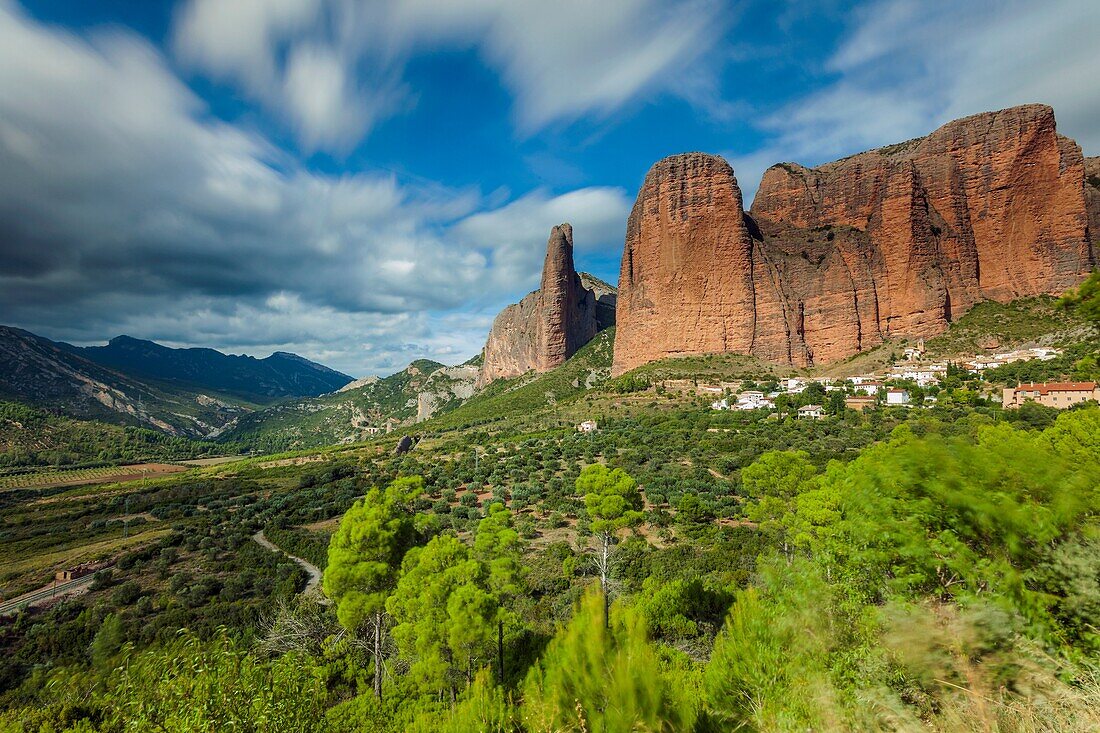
(30, 437)
(785, 576)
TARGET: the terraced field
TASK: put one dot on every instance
(45, 478)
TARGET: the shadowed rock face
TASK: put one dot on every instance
(833, 260)
(1092, 198)
(549, 325)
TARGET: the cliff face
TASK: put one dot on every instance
(1092, 198)
(686, 283)
(549, 325)
(835, 259)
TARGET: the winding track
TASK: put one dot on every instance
(313, 587)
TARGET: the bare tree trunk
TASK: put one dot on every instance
(378, 655)
(500, 649)
(605, 572)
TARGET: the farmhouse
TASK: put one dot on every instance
(897, 397)
(811, 411)
(1051, 394)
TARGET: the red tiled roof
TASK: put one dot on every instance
(1048, 387)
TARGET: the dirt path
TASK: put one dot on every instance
(313, 587)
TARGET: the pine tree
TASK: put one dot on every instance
(364, 558)
(613, 503)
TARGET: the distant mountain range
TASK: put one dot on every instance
(257, 380)
(186, 392)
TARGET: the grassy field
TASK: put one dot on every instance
(25, 573)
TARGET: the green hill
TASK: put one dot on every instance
(360, 410)
(32, 437)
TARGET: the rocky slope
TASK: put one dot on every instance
(549, 325)
(43, 373)
(359, 411)
(833, 260)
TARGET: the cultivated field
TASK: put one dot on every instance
(47, 478)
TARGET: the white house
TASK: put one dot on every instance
(588, 426)
(870, 388)
(924, 376)
(794, 385)
(897, 397)
(720, 405)
(811, 411)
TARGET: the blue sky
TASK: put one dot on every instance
(366, 183)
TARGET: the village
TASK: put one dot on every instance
(910, 381)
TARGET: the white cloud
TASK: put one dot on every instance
(907, 67)
(517, 232)
(125, 208)
(333, 68)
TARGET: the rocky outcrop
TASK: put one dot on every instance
(1092, 197)
(686, 282)
(832, 260)
(549, 325)
(606, 296)
(445, 386)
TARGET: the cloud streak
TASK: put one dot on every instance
(124, 207)
(334, 68)
(906, 67)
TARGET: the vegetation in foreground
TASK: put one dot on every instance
(678, 569)
(945, 578)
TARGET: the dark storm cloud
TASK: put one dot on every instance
(125, 207)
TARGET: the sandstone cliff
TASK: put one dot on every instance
(549, 325)
(1092, 197)
(832, 260)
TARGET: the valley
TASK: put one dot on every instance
(830, 463)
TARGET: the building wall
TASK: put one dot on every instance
(1061, 399)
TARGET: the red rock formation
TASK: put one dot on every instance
(686, 283)
(1092, 198)
(547, 326)
(893, 242)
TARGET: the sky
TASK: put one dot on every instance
(367, 182)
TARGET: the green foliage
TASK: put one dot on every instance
(365, 554)
(484, 708)
(682, 608)
(1085, 299)
(768, 669)
(953, 517)
(107, 641)
(1075, 435)
(498, 546)
(33, 437)
(1016, 322)
(627, 383)
(611, 498)
(598, 679)
(189, 685)
(778, 481)
(444, 614)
